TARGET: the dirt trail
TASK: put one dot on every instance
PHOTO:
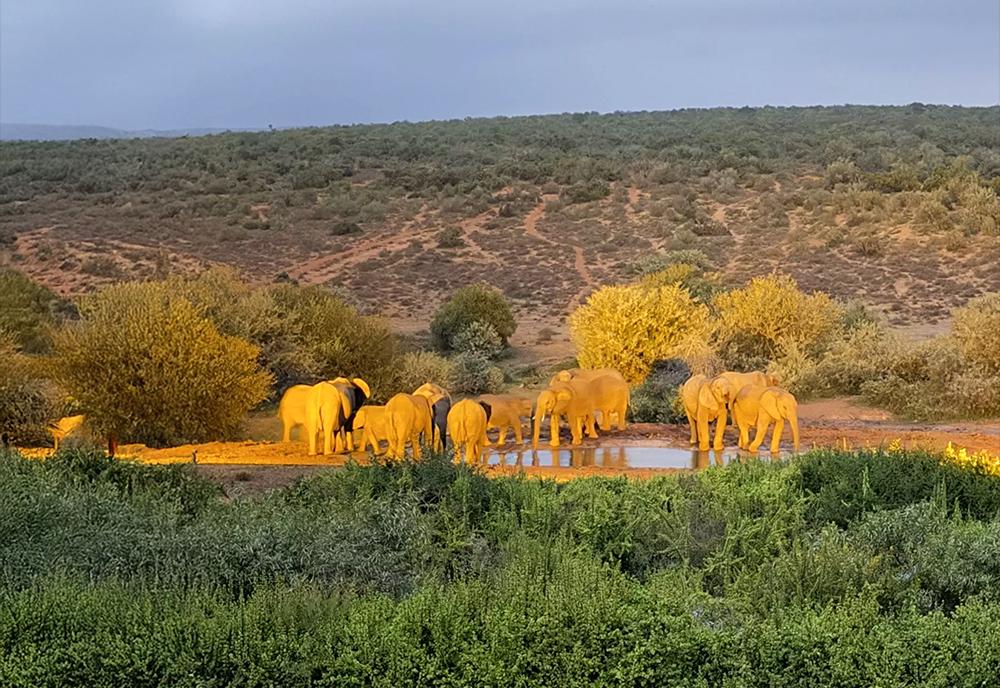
(579, 260)
(326, 266)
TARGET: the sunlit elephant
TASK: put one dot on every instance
(407, 417)
(573, 400)
(611, 399)
(440, 402)
(324, 412)
(66, 427)
(588, 375)
(507, 411)
(370, 422)
(702, 407)
(354, 393)
(467, 425)
(761, 406)
(725, 386)
(292, 409)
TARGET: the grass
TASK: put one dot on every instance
(836, 568)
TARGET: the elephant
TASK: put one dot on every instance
(440, 402)
(467, 421)
(572, 399)
(65, 427)
(354, 393)
(292, 409)
(728, 384)
(762, 406)
(370, 421)
(702, 407)
(507, 411)
(611, 398)
(589, 375)
(407, 417)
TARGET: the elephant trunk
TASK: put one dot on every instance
(536, 433)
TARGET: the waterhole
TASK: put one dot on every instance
(614, 457)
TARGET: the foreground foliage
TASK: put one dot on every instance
(871, 568)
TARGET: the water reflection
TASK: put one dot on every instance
(614, 457)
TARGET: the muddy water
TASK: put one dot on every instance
(614, 457)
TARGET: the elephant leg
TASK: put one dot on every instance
(694, 429)
(502, 437)
(554, 430)
(286, 432)
(415, 442)
(779, 427)
(605, 420)
(762, 422)
(744, 434)
(576, 430)
(311, 438)
(720, 431)
(591, 425)
(622, 412)
(517, 432)
(702, 434)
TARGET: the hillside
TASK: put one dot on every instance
(895, 206)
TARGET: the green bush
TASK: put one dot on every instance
(476, 374)
(478, 338)
(26, 401)
(476, 303)
(414, 368)
(27, 311)
(657, 399)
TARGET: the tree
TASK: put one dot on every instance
(478, 302)
(146, 364)
(629, 327)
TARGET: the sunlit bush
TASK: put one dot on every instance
(976, 327)
(147, 365)
(770, 315)
(629, 327)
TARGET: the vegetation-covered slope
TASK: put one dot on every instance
(895, 205)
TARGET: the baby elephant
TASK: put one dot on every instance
(761, 406)
(507, 411)
(467, 426)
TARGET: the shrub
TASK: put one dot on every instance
(145, 364)
(631, 327)
(477, 338)
(25, 401)
(976, 328)
(27, 311)
(584, 192)
(475, 303)
(864, 354)
(657, 399)
(475, 374)
(414, 368)
(450, 237)
(771, 313)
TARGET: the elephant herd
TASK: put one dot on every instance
(336, 411)
(754, 399)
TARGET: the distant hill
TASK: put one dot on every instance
(14, 131)
(898, 207)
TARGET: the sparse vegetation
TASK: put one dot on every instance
(869, 568)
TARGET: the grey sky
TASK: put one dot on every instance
(248, 63)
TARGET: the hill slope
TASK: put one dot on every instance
(896, 206)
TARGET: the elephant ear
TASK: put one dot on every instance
(365, 389)
(563, 394)
(488, 408)
(706, 399)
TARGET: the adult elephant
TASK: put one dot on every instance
(726, 385)
(292, 409)
(407, 417)
(330, 410)
(572, 399)
(590, 375)
(467, 425)
(370, 421)
(354, 393)
(440, 402)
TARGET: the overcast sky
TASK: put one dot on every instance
(249, 63)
